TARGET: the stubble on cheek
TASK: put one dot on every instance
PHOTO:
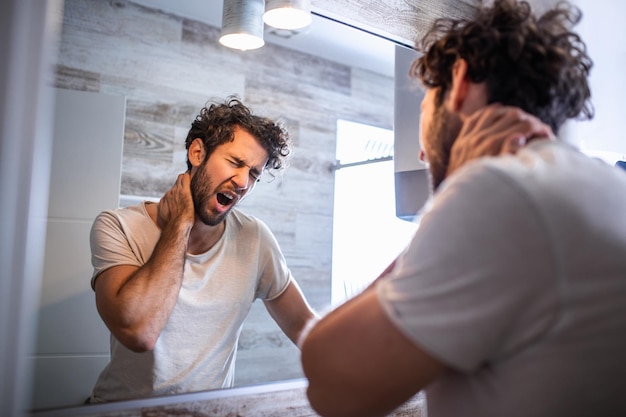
(201, 194)
(443, 133)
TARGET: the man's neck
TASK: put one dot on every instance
(203, 237)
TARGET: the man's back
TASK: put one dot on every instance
(528, 304)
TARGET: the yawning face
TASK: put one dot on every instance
(211, 205)
(223, 179)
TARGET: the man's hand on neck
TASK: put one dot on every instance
(495, 130)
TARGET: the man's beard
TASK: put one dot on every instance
(201, 193)
(443, 131)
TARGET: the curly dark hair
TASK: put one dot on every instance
(216, 124)
(535, 63)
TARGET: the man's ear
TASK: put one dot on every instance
(460, 85)
(196, 152)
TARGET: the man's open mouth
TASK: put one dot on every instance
(225, 199)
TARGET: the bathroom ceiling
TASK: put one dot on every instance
(368, 47)
(325, 37)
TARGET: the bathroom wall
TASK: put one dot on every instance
(604, 34)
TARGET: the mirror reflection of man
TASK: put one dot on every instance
(174, 280)
(510, 299)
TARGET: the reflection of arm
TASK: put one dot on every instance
(136, 302)
(280, 293)
(291, 311)
(358, 363)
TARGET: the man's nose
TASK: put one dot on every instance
(242, 179)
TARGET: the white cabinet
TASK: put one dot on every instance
(411, 179)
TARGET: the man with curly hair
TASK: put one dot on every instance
(510, 299)
(174, 280)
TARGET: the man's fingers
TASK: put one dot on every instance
(177, 200)
(495, 130)
(500, 129)
(513, 144)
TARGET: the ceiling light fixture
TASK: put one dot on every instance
(242, 24)
(287, 14)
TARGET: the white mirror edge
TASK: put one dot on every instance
(171, 400)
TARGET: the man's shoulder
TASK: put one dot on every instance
(240, 221)
(125, 210)
(120, 216)
(536, 162)
(547, 176)
(239, 217)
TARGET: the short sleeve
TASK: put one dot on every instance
(478, 280)
(113, 243)
(275, 276)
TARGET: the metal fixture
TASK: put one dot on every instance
(242, 24)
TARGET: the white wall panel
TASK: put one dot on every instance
(72, 342)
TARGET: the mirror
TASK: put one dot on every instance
(312, 128)
(165, 65)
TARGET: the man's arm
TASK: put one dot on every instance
(359, 364)
(291, 311)
(135, 303)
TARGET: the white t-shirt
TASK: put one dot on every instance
(516, 280)
(197, 348)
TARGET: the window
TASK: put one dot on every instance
(367, 235)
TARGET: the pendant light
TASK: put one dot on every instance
(242, 24)
(287, 14)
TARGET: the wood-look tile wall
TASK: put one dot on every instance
(168, 67)
(405, 21)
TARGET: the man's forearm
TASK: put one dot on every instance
(146, 299)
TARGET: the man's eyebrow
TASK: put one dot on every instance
(239, 161)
